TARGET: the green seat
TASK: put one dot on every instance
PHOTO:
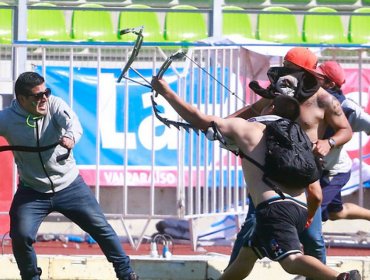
(237, 23)
(196, 3)
(279, 28)
(290, 2)
(153, 3)
(242, 3)
(359, 26)
(92, 25)
(184, 27)
(6, 20)
(108, 2)
(46, 25)
(336, 2)
(319, 29)
(152, 29)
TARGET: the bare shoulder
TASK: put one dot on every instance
(242, 124)
(239, 128)
(328, 102)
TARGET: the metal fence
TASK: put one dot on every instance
(209, 180)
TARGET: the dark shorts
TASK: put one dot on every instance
(331, 193)
(278, 224)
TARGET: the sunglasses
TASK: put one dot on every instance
(40, 95)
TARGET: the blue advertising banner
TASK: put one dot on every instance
(125, 121)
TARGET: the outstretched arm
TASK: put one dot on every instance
(188, 112)
(235, 129)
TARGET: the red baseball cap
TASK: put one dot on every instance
(303, 58)
(333, 71)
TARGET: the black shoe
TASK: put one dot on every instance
(350, 275)
(131, 276)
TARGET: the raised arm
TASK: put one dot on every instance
(188, 112)
(233, 128)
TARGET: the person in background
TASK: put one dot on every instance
(337, 164)
(278, 220)
(49, 182)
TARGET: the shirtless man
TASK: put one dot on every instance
(317, 113)
(287, 216)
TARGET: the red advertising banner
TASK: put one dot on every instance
(6, 159)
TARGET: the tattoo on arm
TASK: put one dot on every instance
(331, 104)
(337, 109)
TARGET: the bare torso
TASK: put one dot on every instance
(312, 117)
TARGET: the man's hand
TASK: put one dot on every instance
(308, 222)
(160, 85)
(67, 143)
(321, 147)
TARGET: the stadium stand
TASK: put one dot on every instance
(105, 2)
(46, 25)
(236, 23)
(243, 3)
(326, 29)
(359, 26)
(336, 2)
(278, 28)
(95, 25)
(153, 3)
(152, 29)
(177, 27)
(6, 19)
(290, 2)
(196, 3)
(183, 26)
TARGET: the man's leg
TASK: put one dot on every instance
(245, 232)
(332, 206)
(242, 266)
(78, 204)
(313, 240)
(312, 268)
(350, 211)
(28, 210)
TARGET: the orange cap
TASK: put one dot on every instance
(303, 58)
(333, 71)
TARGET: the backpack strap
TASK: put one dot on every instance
(216, 135)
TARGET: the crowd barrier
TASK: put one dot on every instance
(140, 168)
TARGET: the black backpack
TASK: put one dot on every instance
(289, 159)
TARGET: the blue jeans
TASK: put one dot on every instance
(29, 208)
(312, 238)
(331, 192)
(246, 231)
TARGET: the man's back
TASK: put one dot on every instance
(250, 138)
